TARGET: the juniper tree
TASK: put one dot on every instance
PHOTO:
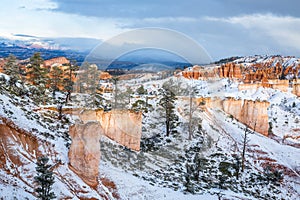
(44, 179)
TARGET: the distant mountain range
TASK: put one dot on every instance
(24, 46)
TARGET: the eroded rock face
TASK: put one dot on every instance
(281, 85)
(122, 126)
(13, 141)
(296, 89)
(252, 113)
(199, 73)
(104, 76)
(58, 61)
(84, 153)
(230, 70)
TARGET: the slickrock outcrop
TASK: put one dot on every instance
(122, 126)
(84, 153)
(252, 113)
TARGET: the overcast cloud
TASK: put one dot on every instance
(223, 27)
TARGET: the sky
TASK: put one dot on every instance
(223, 28)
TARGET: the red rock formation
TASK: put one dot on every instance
(2, 63)
(252, 113)
(58, 61)
(281, 85)
(198, 72)
(296, 89)
(230, 70)
(104, 76)
(14, 140)
(84, 153)
(122, 126)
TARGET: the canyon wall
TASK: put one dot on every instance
(296, 89)
(122, 126)
(12, 142)
(84, 153)
(281, 85)
(252, 113)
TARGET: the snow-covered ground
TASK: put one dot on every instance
(160, 173)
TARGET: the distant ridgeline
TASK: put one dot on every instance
(26, 52)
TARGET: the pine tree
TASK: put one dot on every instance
(68, 79)
(141, 90)
(44, 179)
(93, 87)
(82, 77)
(115, 81)
(245, 144)
(88, 83)
(37, 74)
(128, 94)
(12, 69)
(167, 103)
(56, 79)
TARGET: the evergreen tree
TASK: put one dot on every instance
(115, 81)
(44, 179)
(12, 69)
(82, 78)
(37, 75)
(88, 83)
(167, 103)
(56, 79)
(141, 90)
(128, 94)
(93, 87)
(68, 79)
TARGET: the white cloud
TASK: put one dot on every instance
(37, 18)
(283, 29)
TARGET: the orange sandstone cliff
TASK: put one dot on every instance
(252, 113)
(122, 126)
(84, 153)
